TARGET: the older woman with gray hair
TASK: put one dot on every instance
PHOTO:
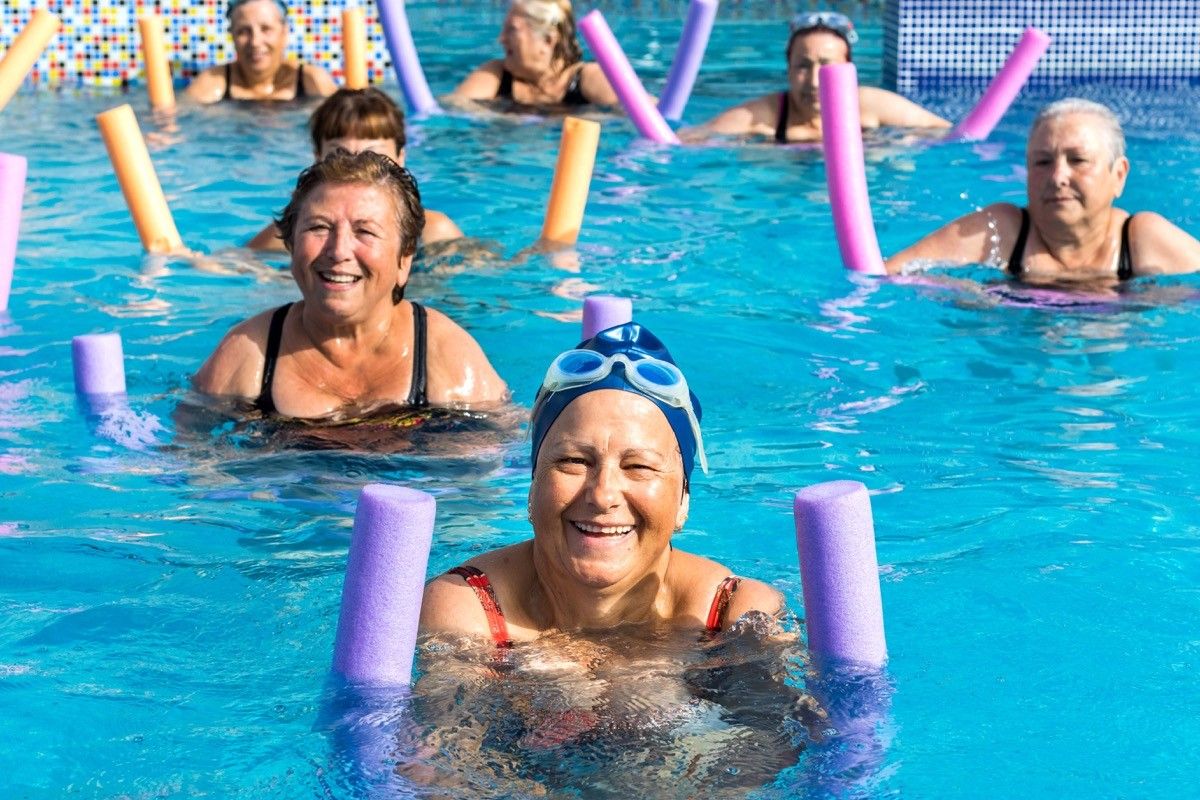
(1070, 231)
(543, 63)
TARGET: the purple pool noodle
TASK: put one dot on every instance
(688, 56)
(845, 172)
(624, 80)
(1004, 88)
(602, 311)
(394, 21)
(385, 578)
(99, 364)
(12, 194)
(835, 538)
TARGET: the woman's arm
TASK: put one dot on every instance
(482, 84)
(318, 82)
(966, 240)
(754, 116)
(267, 239)
(1158, 247)
(209, 86)
(459, 372)
(879, 107)
(595, 86)
(438, 228)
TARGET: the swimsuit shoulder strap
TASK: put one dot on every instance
(487, 598)
(716, 612)
(417, 392)
(265, 403)
(299, 95)
(574, 95)
(1125, 262)
(781, 125)
(506, 82)
(228, 82)
(1015, 265)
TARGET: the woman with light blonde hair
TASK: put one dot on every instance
(542, 65)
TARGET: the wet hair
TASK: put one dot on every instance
(234, 5)
(1110, 126)
(368, 168)
(796, 34)
(357, 114)
(548, 15)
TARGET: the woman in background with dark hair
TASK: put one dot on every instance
(816, 39)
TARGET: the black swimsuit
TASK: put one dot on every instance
(229, 83)
(573, 97)
(416, 394)
(1016, 267)
(781, 126)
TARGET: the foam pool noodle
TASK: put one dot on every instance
(688, 56)
(1004, 88)
(158, 68)
(139, 183)
(354, 47)
(572, 178)
(602, 311)
(845, 171)
(12, 194)
(394, 21)
(99, 366)
(624, 80)
(385, 579)
(24, 52)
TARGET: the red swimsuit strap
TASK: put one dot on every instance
(716, 613)
(487, 598)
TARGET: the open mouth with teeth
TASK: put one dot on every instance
(339, 279)
(601, 531)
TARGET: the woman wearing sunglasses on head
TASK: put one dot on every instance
(794, 115)
(259, 72)
(615, 434)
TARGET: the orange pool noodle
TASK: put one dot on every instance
(139, 183)
(24, 51)
(354, 47)
(154, 56)
(572, 177)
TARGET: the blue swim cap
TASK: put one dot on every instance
(635, 343)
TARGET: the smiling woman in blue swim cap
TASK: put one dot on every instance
(616, 434)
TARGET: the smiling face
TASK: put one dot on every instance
(1071, 171)
(346, 250)
(607, 492)
(809, 52)
(527, 51)
(385, 147)
(259, 33)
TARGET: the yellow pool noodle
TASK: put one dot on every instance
(24, 51)
(139, 183)
(572, 177)
(354, 47)
(154, 56)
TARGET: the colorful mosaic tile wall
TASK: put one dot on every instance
(98, 43)
(1144, 43)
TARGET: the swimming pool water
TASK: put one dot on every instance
(167, 613)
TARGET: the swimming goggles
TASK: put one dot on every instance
(839, 23)
(656, 379)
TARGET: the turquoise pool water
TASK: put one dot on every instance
(167, 613)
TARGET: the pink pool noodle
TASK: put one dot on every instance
(835, 538)
(99, 364)
(385, 578)
(394, 21)
(602, 311)
(624, 80)
(845, 172)
(12, 194)
(688, 55)
(1004, 88)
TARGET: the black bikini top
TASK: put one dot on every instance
(299, 95)
(417, 397)
(573, 97)
(1016, 266)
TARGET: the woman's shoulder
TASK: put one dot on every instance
(594, 85)
(235, 368)
(209, 85)
(317, 80)
(451, 605)
(700, 581)
(439, 228)
(459, 371)
(483, 83)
